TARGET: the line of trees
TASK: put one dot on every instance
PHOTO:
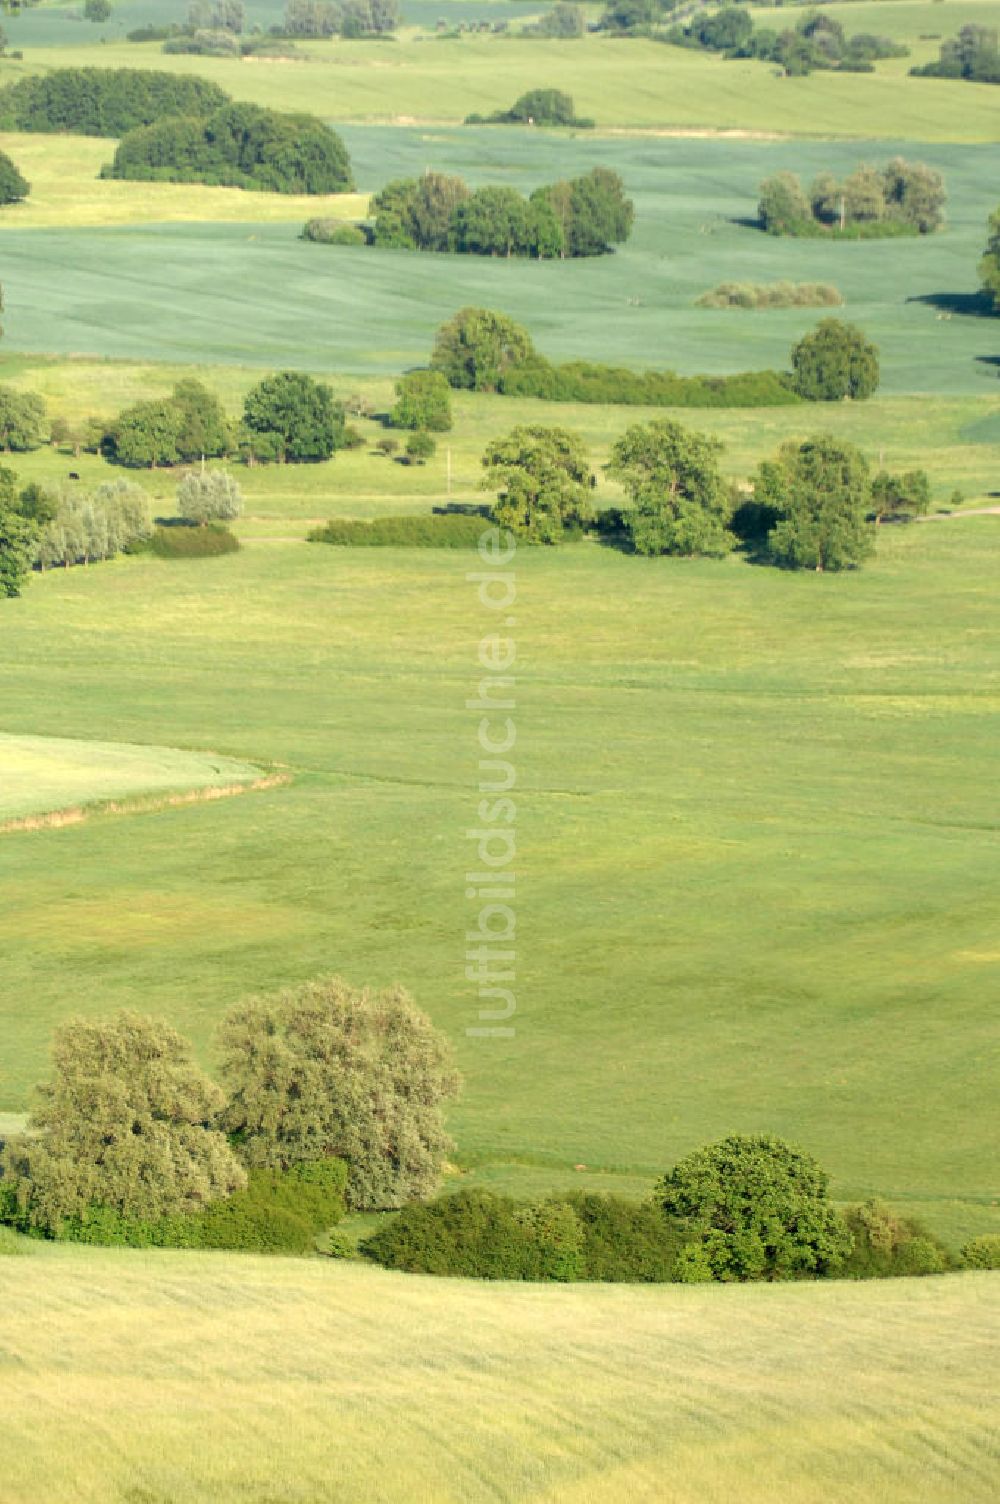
(586, 216)
(241, 146)
(815, 505)
(104, 101)
(46, 525)
(900, 198)
(479, 349)
(816, 42)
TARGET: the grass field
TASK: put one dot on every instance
(632, 83)
(253, 293)
(714, 931)
(184, 1379)
(39, 774)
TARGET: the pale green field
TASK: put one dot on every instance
(43, 773)
(622, 84)
(189, 1379)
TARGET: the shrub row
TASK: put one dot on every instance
(104, 101)
(194, 542)
(588, 381)
(431, 530)
(771, 295)
(281, 1211)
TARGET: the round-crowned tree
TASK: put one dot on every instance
(542, 478)
(783, 204)
(819, 495)
(751, 1208)
(423, 400)
(212, 497)
(476, 348)
(680, 502)
(296, 417)
(127, 1121)
(834, 361)
(325, 1070)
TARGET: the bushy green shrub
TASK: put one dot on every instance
(886, 1245)
(623, 1241)
(770, 295)
(420, 448)
(423, 400)
(194, 542)
(588, 381)
(280, 1211)
(334, 232)
(982, 1252)
(474, 1233)
(430, 530)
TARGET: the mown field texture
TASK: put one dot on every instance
(39, 773)
(757, 837)
(621, 83)
(255, 294)
(255, 1379)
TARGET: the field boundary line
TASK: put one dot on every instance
(142, 804)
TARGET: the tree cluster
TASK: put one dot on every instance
(537, 107)
(105, 101)
(587, 216)
(973, 55)
(346, 18)
(563, 22)
(76, 526)
(816, 42)
(745, 1209)
(129, 1127)
(188, 425)
(771, 295)
(901, 198)
(238, 146)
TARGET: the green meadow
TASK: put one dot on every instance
(292, 1381)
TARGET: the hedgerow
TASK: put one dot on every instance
(431, 530)
(194, 542)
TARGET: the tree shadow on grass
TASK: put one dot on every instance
(969, 305)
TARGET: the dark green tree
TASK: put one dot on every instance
(494, 221)
(543, 107)
(989, 266)
(423, 400)
(18, 538)
(680, 503)
(13, 187)
(22, 420)
(834, 361)
(296, 416)
(145, 435)
(543, 481)
(476, 347)
(204, 431)
(753, 1208)
(600, 214)
(96, 10)
(324, 1070)
(127, 1122)
(820, 491)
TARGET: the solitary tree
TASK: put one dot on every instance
(13, 187)
(477, 347)
(325, 1070)
(753, 1208)
(543, 480)
(835, 361)
(423, 400)
(212, 497)
(680, 503)
(821, 493)
(296, 415)
(127, 1121)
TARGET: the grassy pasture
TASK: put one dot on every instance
(253, 293)
(957, 440)
(636, 84)
(718, 797)
(39, 774)
(184, 1379)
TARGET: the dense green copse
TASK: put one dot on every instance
(818, 499)
(542, 479)
(586, 216)
(423, 400)
(973, 55)
(241, 146)
(680, 504)
(77, 526)
(886, 1245)
(188, 425)
(817, 42)
(23, 423)
(105, 101)
(903, 198)
(536, 107)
